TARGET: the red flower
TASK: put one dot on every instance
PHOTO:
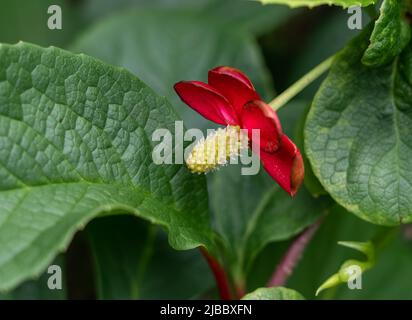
(231, 99)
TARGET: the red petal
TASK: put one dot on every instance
(233, 85)
(285, 166)
(207, 101)
(258, 115)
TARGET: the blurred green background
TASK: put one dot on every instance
(162, 42)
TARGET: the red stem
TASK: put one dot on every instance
(240, 290)
(220, 275)
(292, 256)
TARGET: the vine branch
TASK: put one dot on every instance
(292, 256)
(301, 84)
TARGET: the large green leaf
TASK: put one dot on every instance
(314, 3)
(75, 142)
(390, 35)
(163, 56)
(358, 136)
(133, 260)
(277, 293)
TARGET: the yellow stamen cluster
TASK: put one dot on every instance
(217, 149)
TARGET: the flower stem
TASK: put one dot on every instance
(240, 290)
(292, 256)
(220, 275)
(301, 84)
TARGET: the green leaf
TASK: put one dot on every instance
(358, 136)
(75, 141)
(277, 293)
(163, 57)
(389, 37)
(314, 3)
(134, 261)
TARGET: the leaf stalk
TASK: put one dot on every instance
(301, 84)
